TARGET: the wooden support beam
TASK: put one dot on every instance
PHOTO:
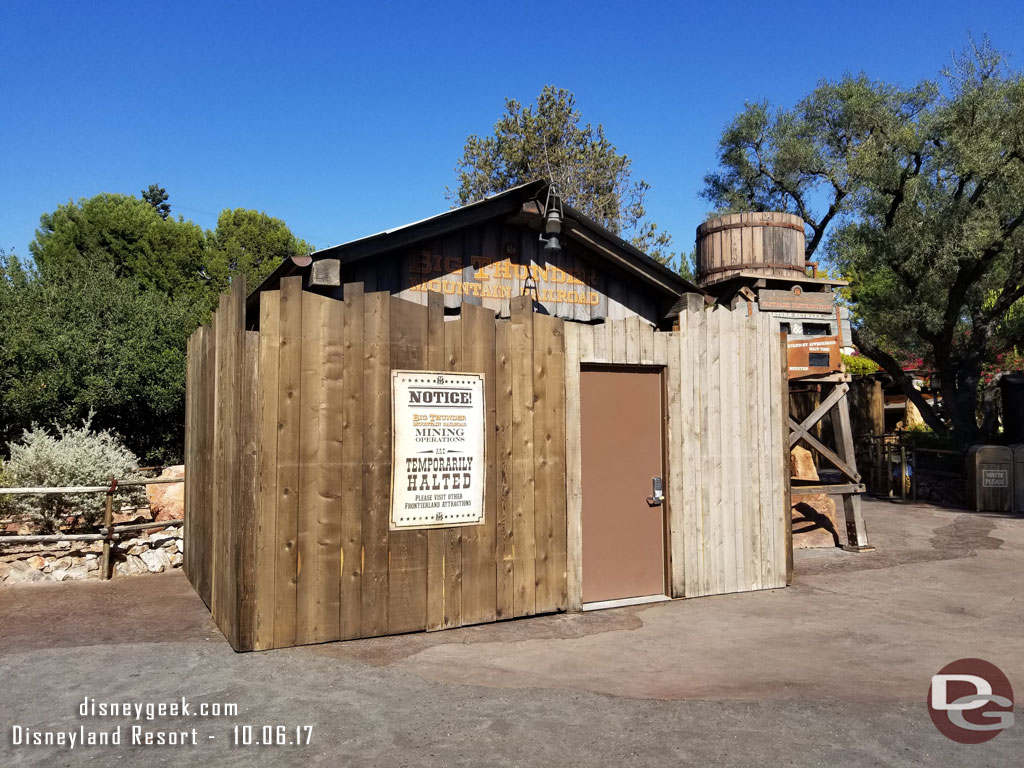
(824, 450)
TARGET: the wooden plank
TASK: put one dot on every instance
(574, 466)
(730, 454)
(617, 342)
(524, 598)
(266, 524)
(376, 462)
(549, 461)
(351, 585)
(452, 579)
(310, 376)
(330, 466)
(505, 512)
(248, 489)
(750, 476)
(602, 343)
(205, 533)
(479, 542)
(435, 361)
(712, 458)
(782, 505)
(675, 402)
(407, 561)
(191, 457)
(632, 346)
(766, 450)
(585, 334)
(288, 436)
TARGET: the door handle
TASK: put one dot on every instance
(657, 497)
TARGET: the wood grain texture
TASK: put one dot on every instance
(407, 559)
(479, 542)
(351, 584)
(452, 576)
(288, 437)
(524, 598)
(248, 490)
(574, 465)
(435, 361)
(330, 471)
(376, 462)
(307, 597)
(266, 523)
(504, 445)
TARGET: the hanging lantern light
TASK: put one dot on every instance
(553, 218)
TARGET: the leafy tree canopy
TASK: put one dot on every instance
(546, 140)
(127, 235)
(157, 197)
(84, 340)
(250, 243)
(917, 196)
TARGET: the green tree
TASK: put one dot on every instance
(157, 197)
(80, 339)
(917, 196)
(546, 140)
(126, 234)
(250, 243)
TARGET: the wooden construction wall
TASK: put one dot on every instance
(305, 554)
(288, 444)
(727, 470)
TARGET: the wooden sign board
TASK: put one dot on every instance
(814, 357)
(796, 300)
(437, 468)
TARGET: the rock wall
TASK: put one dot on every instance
(75, 560)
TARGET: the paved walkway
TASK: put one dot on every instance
(834, 669)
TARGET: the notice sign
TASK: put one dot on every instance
(437, 470)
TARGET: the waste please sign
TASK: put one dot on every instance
(437, 470)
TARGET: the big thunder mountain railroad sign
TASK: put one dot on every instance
(437, 469)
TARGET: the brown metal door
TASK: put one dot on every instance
(623, 537)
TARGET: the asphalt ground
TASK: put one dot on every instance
(833, 670)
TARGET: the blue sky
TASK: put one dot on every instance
(344, 119)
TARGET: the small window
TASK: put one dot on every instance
(784, 327)
(818, 360)
(817, 329)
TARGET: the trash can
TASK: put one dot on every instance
(990, 478)
(1018, 477)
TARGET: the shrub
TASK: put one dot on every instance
(69, 457)
(858, 364)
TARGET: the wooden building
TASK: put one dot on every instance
(617, 437)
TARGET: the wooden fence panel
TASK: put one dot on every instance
(289, 447)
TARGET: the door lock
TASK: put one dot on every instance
(657, 497)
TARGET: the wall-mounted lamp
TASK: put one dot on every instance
(553, 218)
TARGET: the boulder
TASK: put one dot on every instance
(131, 566)
(4, 570)
(36, 562)
(801, 462)
(79, 572)
(59, 574)
(814, 521)
(156, 560)
(176, 560)
(167, 501)
(23, 573)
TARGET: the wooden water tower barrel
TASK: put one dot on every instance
(769, 244)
